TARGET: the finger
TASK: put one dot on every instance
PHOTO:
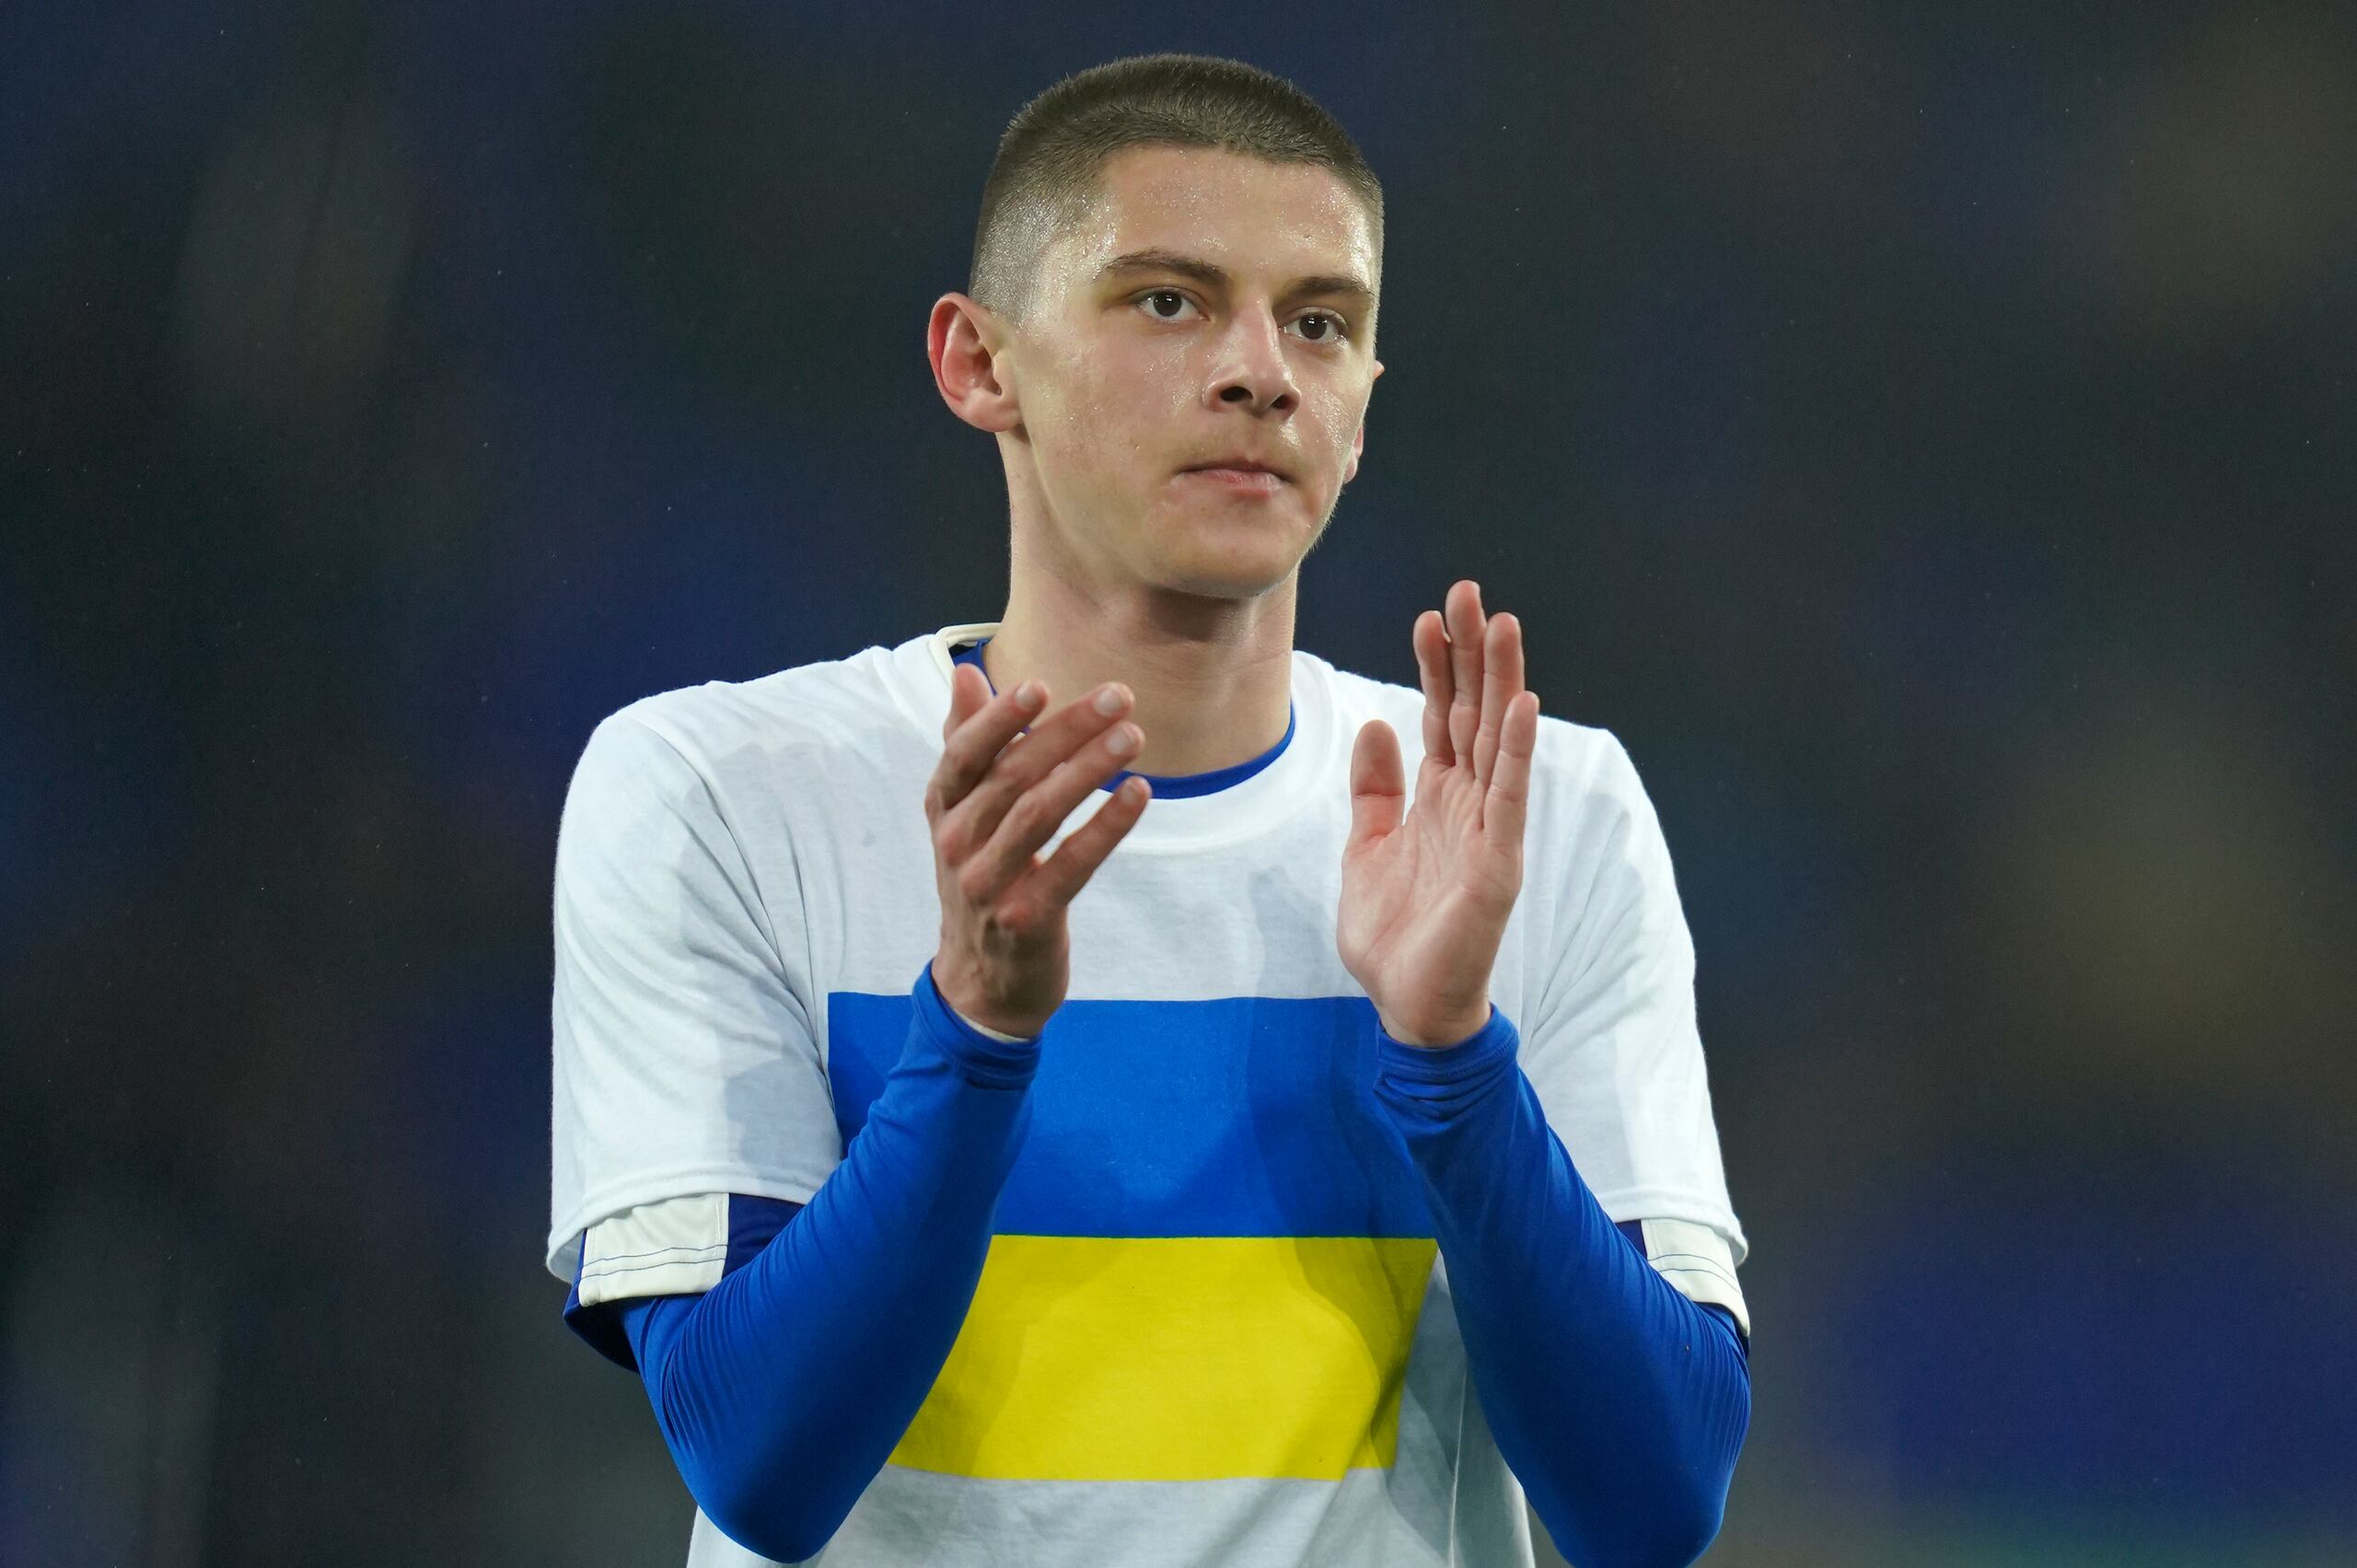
(1059, 879)
(966, 696)
(978, 727)
(1020, 766)
(1378, 784)
(1507, 804)
(1036, 814)
(1431, 669)
(1500, 683)
(1464, 617)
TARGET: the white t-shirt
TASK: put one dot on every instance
(1213, 1327)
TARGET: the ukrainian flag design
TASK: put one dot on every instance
(1208, 1259)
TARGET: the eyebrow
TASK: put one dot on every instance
(1156, 260)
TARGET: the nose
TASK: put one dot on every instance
(1252, 368)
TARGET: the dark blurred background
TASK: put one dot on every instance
(1922, 434)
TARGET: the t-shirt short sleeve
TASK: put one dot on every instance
(686, 1063)
(1612, 1048)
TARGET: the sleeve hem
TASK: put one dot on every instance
(566, 1238)
(674, 1247)
(1678, 1203)
(1698, 1263)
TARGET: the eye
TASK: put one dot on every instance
(1146, 299)
(1332, 328)
(1336, 331)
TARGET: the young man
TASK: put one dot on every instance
(1306, 1190)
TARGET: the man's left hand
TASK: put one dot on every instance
(1426, 889)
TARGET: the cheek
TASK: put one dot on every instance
(1337, 422)
(1069, 432)
(1340, 430)
(1117, 424)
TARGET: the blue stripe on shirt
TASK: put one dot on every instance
(1238, 1116)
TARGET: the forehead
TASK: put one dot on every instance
(1244, 213)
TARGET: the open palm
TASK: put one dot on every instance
(1426, 889)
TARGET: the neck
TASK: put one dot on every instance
(1212, 677)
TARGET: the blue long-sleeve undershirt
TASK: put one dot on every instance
(1619, 1404)
(782, 1390)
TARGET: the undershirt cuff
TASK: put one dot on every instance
(985, 1057)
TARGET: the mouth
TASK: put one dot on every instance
(1240, 475)
(1239, 481)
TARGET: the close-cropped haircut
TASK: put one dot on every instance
(1049, 165)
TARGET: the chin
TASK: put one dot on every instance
(1231, 555)
(1227, 574)
(1234, 588)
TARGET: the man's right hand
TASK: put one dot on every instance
(997, 796)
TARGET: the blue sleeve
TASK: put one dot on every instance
(1619, 1404)
(782, 1390)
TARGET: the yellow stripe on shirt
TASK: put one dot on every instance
(1176, 1358)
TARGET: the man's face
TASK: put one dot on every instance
(1135, 369)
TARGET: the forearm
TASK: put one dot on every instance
(782, 1390)
(1618, 1403)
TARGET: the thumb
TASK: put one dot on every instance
(1378, 784)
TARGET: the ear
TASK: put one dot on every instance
(1358, 441)
(963, 341)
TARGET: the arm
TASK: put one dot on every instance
(1619, 1404)
(782, 1386)
(782, 1389)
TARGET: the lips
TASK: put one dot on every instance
(1245, 465)
(1263, 483)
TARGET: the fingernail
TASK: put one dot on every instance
(1029, 694)
(1122, 742)
(1109, 702)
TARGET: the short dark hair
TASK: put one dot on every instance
(1050, 161)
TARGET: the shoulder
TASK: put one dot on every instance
(832, 702)
(801, 719)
